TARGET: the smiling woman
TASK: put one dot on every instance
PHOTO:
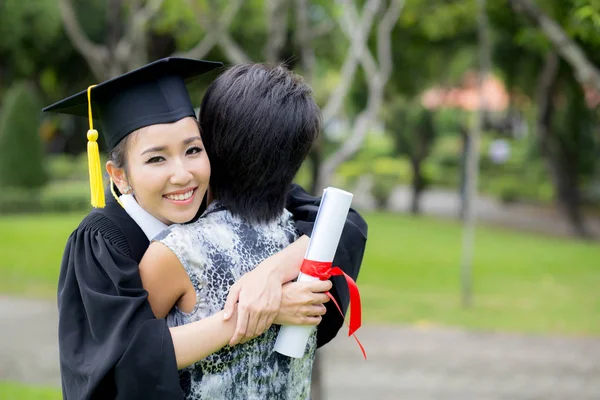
(167, 169)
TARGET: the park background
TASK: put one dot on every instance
(468, 130)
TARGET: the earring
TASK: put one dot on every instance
(128, 190)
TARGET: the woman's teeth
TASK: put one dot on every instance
(180, 197)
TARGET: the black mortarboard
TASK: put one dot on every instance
(152, 94)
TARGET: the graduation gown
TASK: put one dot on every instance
(111, 345)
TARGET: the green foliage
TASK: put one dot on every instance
(411, 127)
(21, 154)
(63, 167)
(178, 18)
(55, 197)
(27, 29)
(433, 44)
(575, 125)
(441, 20)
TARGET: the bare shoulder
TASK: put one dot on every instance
(163, 277)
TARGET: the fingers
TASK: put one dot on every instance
(232, 299)
(313, 320)
(262, 325)
(319, 298)
(318, 310)
(242, 325)
(319, 286)
(253, 321)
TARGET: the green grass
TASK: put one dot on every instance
(31, 248)
(522, 282)
(17, 391)
(410, 274)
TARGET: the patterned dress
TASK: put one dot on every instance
(216, 251)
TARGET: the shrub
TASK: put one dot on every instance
(383, 185)
(56, 197)
(21, 153)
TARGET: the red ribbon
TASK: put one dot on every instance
(324, 271)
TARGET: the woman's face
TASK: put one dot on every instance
(168, 170)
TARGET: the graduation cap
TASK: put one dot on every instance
(152, 94)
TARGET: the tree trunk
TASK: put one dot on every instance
(418, 185)
(462, 184)
(565, 182)
(316, 159)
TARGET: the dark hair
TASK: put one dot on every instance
(258, 123)
(118, 155)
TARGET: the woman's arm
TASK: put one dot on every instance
(195, 341)
(167, 284)
(165, 280)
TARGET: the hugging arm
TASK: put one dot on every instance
(167, 283)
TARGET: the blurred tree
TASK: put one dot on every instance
(125, 37)
(377, 72)
(21, 154)
(584, 70)
(435, 45)
(412, 129)
(549, 55)
(28, 30)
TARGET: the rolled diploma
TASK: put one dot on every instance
(150, 225)
(322, 246)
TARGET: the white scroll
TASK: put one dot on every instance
(322, 246)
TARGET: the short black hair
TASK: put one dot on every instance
(258, 123)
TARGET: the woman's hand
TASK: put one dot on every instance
(302, 303)
(258, 295)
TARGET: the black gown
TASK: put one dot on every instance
(111, 346)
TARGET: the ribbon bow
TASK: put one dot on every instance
(324, 271)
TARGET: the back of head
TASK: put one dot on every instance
(258, 123)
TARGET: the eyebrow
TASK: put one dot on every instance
(162, 148)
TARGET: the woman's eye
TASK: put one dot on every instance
(155, 159)
(193, 150)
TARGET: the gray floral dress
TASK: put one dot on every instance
(216, 251)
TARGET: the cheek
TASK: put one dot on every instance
(148, 184)
(203, 170)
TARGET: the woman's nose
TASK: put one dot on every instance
(181, 174)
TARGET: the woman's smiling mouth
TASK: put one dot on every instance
(181, 196)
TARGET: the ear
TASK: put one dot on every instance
(118, 176)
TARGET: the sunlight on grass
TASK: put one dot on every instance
(32, 247)
(19, 391)
(522, 282)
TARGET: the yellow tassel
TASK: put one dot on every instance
(96, 185)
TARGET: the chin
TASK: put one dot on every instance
(181, 218)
